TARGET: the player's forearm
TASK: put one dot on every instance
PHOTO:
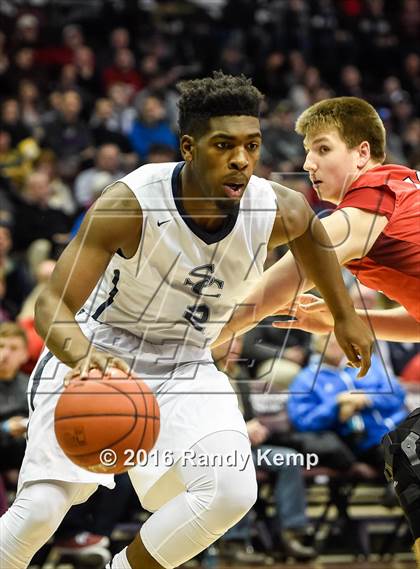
(55, 323)
(394, 325)
(313, 251)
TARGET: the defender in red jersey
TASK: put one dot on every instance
(374, 228)
(375, 233)
(392, 264)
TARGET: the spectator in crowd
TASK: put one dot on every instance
(72, 39)
(351, 82)
(13, 396)
(87, 76)
(233, 60)
(411, 77)
(61, 195)
(123, 114)
(161, 153)
(90, 183)
(17, 281)
(159, 85)
(289, 488)
(105, 131)
(27, 32)
(103, 126)
(118, 38)
(151, 127)
(326, 395)
(67, 81)
(23, 66)
(411, 143)
(271, 75)
(35, 218)
(16, 161)
(53, 110)
(31, 109)
(124, 71)
(26, 317)
(69, 136)
(280, 142)
(11, 120)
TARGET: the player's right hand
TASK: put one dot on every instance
(309, 313)
(96, 359)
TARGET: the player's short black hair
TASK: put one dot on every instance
(216, 96)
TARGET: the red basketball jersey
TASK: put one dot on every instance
(392, 265)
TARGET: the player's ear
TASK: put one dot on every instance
(187, 147)
(364, 153)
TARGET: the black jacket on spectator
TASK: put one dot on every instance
(18, 286)
(67, 140)
(13, 402)
(103, 135)
(264, 342)
(34, 222)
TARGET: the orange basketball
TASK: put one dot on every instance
(107, 425)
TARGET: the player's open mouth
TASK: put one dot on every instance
(233, 190)
(316, 183)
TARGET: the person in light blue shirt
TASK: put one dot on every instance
(151, 128)
(327, 396)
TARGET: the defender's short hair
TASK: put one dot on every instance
(355, 119)
(216, 96)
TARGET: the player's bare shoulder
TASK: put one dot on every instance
(115, 219)
(118, 200)
(293, 215)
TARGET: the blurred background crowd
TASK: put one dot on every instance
(88, 93)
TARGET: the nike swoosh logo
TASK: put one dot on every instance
(159, 223)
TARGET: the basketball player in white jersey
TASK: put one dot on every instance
(158, 266)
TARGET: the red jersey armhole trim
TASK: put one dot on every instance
(379, 200)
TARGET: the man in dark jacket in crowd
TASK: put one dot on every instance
(13, 398)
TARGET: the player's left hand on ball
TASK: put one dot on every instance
(103, 362)
(356, 341)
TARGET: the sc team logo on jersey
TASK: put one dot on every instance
(206, 280)
(198, 314)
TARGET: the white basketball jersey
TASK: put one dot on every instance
(183, 282)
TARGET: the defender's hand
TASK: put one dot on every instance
(310, 314)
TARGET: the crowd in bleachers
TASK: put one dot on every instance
(88, 93)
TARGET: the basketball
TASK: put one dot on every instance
(104, 425)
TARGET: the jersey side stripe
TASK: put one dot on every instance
(37, 377)
(111, 296)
